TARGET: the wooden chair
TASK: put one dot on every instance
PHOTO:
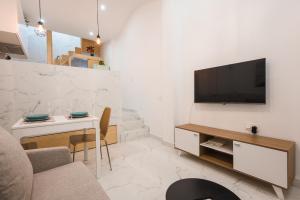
(104, 123)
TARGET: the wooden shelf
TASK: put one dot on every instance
(278, 144)
(252, 153)
(227, 148)
(217, 159)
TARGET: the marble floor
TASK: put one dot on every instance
(144, 168)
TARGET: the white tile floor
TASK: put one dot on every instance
(143, 169)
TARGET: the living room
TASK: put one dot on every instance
(148, 71)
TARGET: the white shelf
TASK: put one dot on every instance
(227, 148)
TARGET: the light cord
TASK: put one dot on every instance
(98, 16)
(40, 9)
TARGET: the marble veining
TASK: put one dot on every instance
(57, 90)
(143, 169)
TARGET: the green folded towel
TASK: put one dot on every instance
(79, 114)
(36, 117)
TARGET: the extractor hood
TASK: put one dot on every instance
(10, 41)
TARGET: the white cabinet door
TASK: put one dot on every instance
(264, 163)
(187, 141)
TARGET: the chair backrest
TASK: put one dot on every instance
(16, 174)
(104, 122)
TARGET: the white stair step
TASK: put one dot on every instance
(144, 129)
(128, 110)
(132, 124)
(129, 116)
(134, 134)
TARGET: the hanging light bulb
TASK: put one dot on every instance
(98, 40)
(40, 30)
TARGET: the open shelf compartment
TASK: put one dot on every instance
(218, 158)
(216, 150)
(226, 148)
(216, 143)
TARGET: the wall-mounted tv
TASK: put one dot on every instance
(243, 82)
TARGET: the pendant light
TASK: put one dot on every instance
(40, 30)
(98, 39)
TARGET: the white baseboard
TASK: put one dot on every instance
(164, 142)
(154, 136)
(296, 182)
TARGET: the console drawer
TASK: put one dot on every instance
(187, 141)
(264, 163)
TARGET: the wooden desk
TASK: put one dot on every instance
(60, 124)
(62, 139)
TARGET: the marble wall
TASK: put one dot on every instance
(57, 90)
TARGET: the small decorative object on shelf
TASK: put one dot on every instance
(91, 50)
(254, 130)
(101, 65)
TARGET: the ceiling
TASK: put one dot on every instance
(78, 17)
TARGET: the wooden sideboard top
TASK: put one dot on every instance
(278, 144)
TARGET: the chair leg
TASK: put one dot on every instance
(74, 150)
(108, 155)
(101, 150)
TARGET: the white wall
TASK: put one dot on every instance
(36, 48)
(201, 34)
(217, 32)
(9, 15)
(136, 53)
(196, 34)
(269, 28)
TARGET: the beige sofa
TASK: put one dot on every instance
(43, 174)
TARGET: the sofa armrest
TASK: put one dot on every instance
(48, 158)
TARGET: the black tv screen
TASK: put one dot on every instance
(236, 83)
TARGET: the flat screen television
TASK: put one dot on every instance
(243, 82)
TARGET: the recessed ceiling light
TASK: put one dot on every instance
(91, 33)
(103, 7)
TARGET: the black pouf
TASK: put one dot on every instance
(198, 189)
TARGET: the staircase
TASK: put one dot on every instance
(132, 126)
(68, 59)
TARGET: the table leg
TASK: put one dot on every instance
(86, 149)
(98, 159)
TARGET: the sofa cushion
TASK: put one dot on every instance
(16, 173)
(72, 181)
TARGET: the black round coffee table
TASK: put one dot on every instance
(198, 189)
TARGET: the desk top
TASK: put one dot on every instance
(278, 144)
(54, 120)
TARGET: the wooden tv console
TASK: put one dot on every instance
(267, 159)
